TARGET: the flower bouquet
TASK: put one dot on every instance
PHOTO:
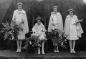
(10, 31)
(57, 38)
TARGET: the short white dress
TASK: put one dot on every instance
(20, 19)
(39, 30)
(72, 31)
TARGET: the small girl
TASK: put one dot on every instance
(20, 19)
(73, 29)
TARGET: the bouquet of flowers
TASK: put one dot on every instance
(36, 42)
(57, 38)
(9, 31)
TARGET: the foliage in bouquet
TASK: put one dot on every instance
(9, 31)
(35, 41)
(57, 38)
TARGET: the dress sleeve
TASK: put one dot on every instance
(14, 15)
(34, 28)
(60, 22)
(79, 28)
(66, 26)
(13, 18)
(43, 28)
(26, 27)
(76, 18)
(50, 24)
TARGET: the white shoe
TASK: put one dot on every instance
(39, 51)
(56, 50)
(73, 51)
(43, 52)
(18, 50)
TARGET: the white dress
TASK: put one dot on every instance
(20, 18)
(39, 30)
(72, 31)
(55, 22)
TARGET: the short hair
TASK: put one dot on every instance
(70, 10)
(19, 3)
(38, 18)
(55, 6)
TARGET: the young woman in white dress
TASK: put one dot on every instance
(73, 29)
(55, 23)
(20, 19)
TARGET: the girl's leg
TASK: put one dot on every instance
(43, 47)
(74, 42)
(20, 45)
(70, 44)
(56, 49)
(17, 45)
(38, 50)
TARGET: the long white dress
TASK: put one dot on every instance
(39, 30)
(55, 22)
(72, 30)
(20, 18)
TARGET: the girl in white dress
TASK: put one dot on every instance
(39, 31)
(20, 19)
(72, 29)
(56, 23)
